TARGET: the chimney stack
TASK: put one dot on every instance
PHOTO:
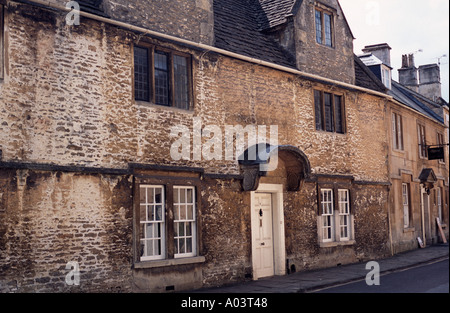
(425, 80)
(408, 75)
(430, 81)
(381, 51)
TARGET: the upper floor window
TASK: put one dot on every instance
(329, 112)
(324, 27)
(397, 131)
(423, 153)
(386, 76)
(162, 77)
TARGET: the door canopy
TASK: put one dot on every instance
(260, 159)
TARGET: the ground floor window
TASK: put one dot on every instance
(335, 224)
(406, 206)
(344, 213)
(152, 224)
(167, 221)
(184, 222)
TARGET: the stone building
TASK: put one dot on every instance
(419, 119)
(127, 136)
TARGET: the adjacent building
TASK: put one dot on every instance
(128, 139)
(419, 120)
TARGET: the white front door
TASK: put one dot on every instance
(262, 236)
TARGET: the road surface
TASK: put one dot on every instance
(428, 278)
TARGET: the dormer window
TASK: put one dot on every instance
(324, 27)
(386, 76)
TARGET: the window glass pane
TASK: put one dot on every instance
(181, 229)
(188, 229)
(394, 130)
(150, 213)
(318, 27)
(338, 114)
(188, 245)
(327, 21)
(318, 109)
(190, 212)
(158, 213)
(181, 85)
(189, 198)
(182, 212)
(182, 246)
(161, 78)
(328, 112)
(149, 230)
(157, 194)
(399, 132)
(149, 250)
(141, 74)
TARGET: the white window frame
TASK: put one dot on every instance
(144, 238)
(386, 76)
(327, 203)
(405, 205)
(183, 219)
(422, 138)
(344, 214)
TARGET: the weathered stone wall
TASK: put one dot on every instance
(52, 218)
(66, 90)
(333, 62)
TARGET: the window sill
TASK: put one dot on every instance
(325, 45)
(321, 131)
(409, 229)
(337, 243)
(162, 107)
(169, 262)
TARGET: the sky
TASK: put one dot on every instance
(407, 26)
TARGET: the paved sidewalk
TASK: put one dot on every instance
(317, 279)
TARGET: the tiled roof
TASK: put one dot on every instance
(272, 13)
(412, 99)
(237, 29)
